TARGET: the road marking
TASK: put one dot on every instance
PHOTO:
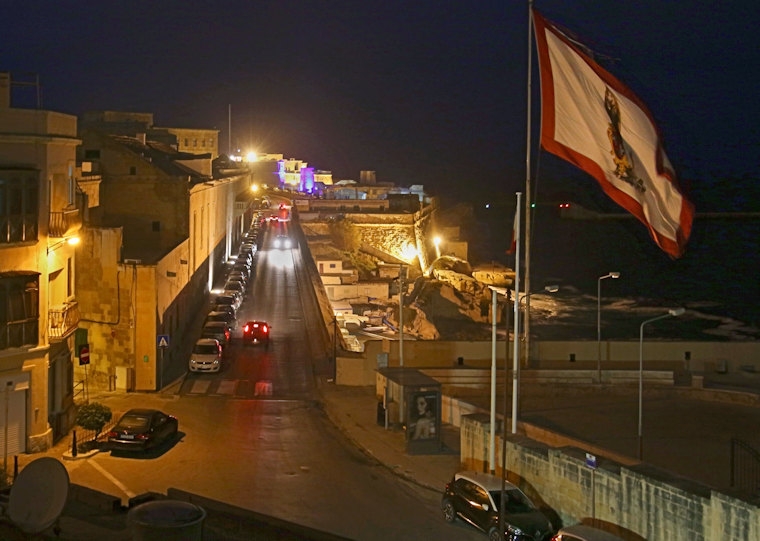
(200, 386)
(113, 479)
(227, 386)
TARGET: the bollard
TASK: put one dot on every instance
(74, 443)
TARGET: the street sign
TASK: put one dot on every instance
(84, 354)
(163, 340)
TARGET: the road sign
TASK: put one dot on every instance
(84, 354)
(163, 340)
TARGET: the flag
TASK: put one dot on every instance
(513, 242)
(593, 121)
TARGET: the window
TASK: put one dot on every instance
(19, 309)
(92, 154)
(156, 226)
(133, 170)
(187, 144)
(19, 193)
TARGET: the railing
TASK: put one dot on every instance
(62, 320)
(745, 467)
(65, 222)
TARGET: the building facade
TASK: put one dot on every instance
(42, 209)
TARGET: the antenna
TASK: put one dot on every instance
(39, 495)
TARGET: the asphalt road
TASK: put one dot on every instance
(255, 436)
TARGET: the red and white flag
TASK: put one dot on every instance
(592, 120)
(513, 242)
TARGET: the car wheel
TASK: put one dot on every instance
(494, 535)
(449, 513)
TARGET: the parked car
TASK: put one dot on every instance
(235, 285)
(206, 356)
(475, 498)
(225, 316)
(219, 330)
(282, 242)
(230, 300)
(239, 276)
(142, 429)
(581, 532)
(226, 308)
(257, 332)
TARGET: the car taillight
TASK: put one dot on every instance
(265, 329)
(246, 328)
(112, 434)
(144, 436)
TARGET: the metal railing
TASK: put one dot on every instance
(65, 222)
(62, 320)
(745, 467)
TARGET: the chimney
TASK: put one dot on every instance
(5, 90)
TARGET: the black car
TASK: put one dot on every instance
(475, 498)
(142, 429)
(257, 332)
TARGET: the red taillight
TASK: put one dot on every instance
(143, 436)
(112, 434)
(265, 329)
(246, 329)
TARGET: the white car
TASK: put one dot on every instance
(283, 242)
(206, 356)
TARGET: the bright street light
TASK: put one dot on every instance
(437, 243)
(599, 322)
(673, 312)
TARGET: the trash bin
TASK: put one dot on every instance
(166, 520)
(380, 414)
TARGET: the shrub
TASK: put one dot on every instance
(93, 416)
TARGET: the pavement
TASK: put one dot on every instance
(692, 428)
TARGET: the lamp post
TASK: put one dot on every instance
(516, 365)
(673, 312)
(599, 322)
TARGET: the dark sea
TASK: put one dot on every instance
(717, 280)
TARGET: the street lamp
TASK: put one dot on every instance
(437, 243)
(673, 312)
(516, 365)
(599, 321)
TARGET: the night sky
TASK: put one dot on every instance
(422, 92)
(434, 93)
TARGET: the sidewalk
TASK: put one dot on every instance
(354, 411)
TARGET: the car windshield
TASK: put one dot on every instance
(205, 349)
(516, 502)
(134, 422)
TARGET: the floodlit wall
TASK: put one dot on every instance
(640, 506)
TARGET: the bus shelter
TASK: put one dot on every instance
(412, 400)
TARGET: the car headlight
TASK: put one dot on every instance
(216, 361)
(513, 532)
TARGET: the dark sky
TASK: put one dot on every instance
(422, 92)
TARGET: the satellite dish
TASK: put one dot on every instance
(38, 495)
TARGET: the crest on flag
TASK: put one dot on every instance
(592, 120)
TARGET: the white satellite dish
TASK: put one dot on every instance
(38, 495)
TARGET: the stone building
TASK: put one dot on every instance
(162, 233)
(42, 207)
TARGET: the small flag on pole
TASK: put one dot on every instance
(593, 121)
(513, 241)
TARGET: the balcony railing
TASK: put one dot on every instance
(65, 223)
(63, 320)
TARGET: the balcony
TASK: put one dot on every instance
(65, 223)
(63, 320)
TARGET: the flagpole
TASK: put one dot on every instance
(528, 195)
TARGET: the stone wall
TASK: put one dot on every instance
(638, 504)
